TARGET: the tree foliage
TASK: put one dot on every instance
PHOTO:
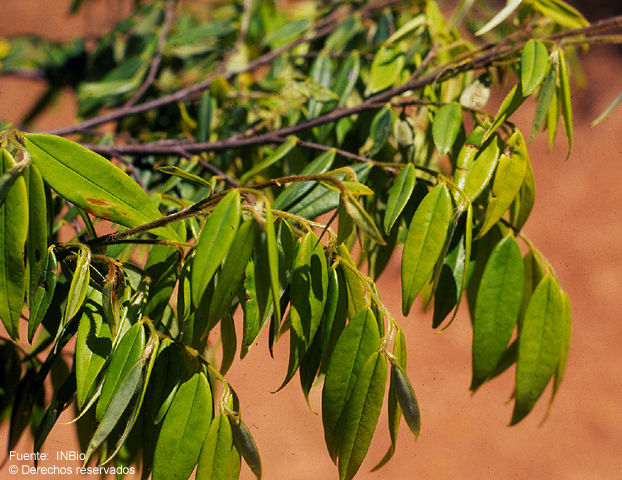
(235, 129)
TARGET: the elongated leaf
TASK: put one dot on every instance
(361, 415)
(347, 76)
(426, 236)
(534, 65)
(561, 12)
(497, 307)
(93, 346)
(385, 68)
(229, 342)
(525, 200)
(216, 451)
(362, 219)
(545, 98)
(508, 180)
(406, 398)
(358, 341)
(539, 345)
(254, 298)
(37, 243)
(183, 431)
(565, 347)
(481, 170)
(608, 110)
(278, 154)
(127, 353)
(162, 267)
(399, 195)
(93, 183)
(381, 126)
(445, 127)
(79, 284)
(321, 73)
(192, 178)
(245, 444)
(565, 100)
(13, 234)
(119, 401)
(214, 243)
(466, 157)
(552, 118)
(510, 104)
(273, 259)
(44, 293)
(296, 190)
(503, 14)
(165, 379)
(358, 296)
(232, 272)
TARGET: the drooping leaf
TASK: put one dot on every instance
(127, 353)
(503, 14)
(358, 296)
(545, 97)
(539, 345)
(42, 297)
(525, 199)
(565, 347)
(361, 414)
(445, 127)
(93, 346)
(245, 444)
(406, 398)
(273, 259)
(277, 155)
(534, 65)
(510, 104)
(399, 195)
(426, 236)
(93, 183)
(564, 95)
(13, 234)
(229, 342)
(552, 118)
(356, 344)
(216, 451)
(381, 126)
(165, 379)
(497, 307)
(362, 219)
(37, 227)
(481, 170)
(508, 180)
(183, 430)
(79, 284)
(214, 242)
(346, 77)
(608, 110)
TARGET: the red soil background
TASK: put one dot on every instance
(576, 224)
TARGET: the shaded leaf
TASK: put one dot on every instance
(545, 97)
(37, 243)
(274, 157)
(43, 294)
(216, 451)
(245, 444)
(386, 68)
(165, 379)
(406, 398)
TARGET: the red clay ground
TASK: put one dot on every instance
(576, 223)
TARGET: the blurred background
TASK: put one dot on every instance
(577, 225)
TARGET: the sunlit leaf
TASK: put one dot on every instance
(445, 127)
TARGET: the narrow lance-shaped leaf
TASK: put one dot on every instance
(482, 169)
(37, 243)
(245, 444)
(13, 234)
(445, 127)
(347, 76)
(184, 429)
(510, 104)
(426, 236)
(508, 180)
(229, 342)
(608, 110)
(497, 307)
(214, 242)
(273, 259)
(406, 398)
(165, 379)
(42, 297)
(399, 195)
(379, 130)
(361, 414)
(358, 341)
(358, 296)
(525, 200)
(277, 155)
(539, 345)
(216, 451)
(93, 183)
(534, 65)
(127, 353)
(564, 95)
(561, 12)
(503, 14)
(386, 68)
(362, 219)
(79, 284)
(552, 115)
(545, 97)
(565, 347)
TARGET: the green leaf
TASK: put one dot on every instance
(386, 68)
(165, 379)
(297, 190)
(608, 110)
(381, 126)
(273, 259)
(534, 65)
(339, 38)
(214, 242)
(357, 343)
(119, 401)
(192, 178)
(525, 200)
(254, 304)
(503, 14)
(399, 195)
(510, 104)
(216, 451)
(561, 12)
(358, 296)
(361, 415)
(320, 74)
(42, 297)
(245, 444)
(445, 126)
(183, 431)
(406, 398)
(278, 154)
(207, 113)
(12, 172)
(232, 273)
(564, 95)
(162, 268)
(127, 353)
(466, 157)
(480, 172)
(426, 236)
(508, 180)
(346, 77)
(13, 234)
(93, 183)
(539, 345)
(565, 341)
(79, 285)
(229, 342)
(93, 346)
(362, 219)
(498, 304)
(545, 97)
(37, 242)
(552, 118)
(413, 24)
